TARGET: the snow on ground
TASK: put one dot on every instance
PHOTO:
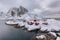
(52, 33)
(21, 24)
(53, 25)
(58, 38)
(40, 37)
(26, 17)
(32, 27)
(50, 28)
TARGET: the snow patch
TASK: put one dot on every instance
(40, 37)
(21, 24)
(32, 27)
(52, 33)
(58, 38)
(53, 25)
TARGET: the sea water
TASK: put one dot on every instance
(10, 33)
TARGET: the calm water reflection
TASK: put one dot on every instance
(11, 33)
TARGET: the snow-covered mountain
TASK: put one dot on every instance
(17, 11)
(13, 12)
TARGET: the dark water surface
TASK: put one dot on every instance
(10, 33)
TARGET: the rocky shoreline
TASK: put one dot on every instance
(38, 30)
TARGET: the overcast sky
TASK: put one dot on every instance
(6, 4)
(30, 4)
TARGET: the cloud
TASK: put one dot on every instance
(6, 4)
(49, 6)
